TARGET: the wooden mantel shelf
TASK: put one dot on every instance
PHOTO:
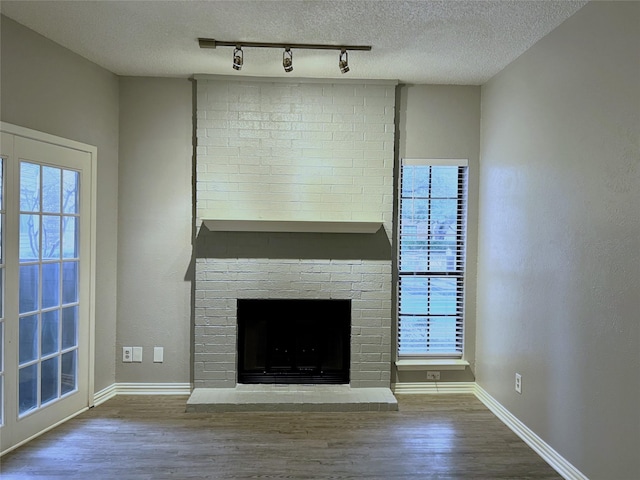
(291, 226)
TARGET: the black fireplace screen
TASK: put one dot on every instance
(294, 341)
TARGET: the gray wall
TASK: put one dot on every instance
(559, 239)
(48, 88)
(155, 227)
(443, 121)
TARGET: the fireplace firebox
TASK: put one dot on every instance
(293, 341)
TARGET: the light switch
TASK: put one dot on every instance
(137, 354)
(158, 354)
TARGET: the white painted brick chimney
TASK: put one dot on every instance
(296, 151)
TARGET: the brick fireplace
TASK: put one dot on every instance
(303, 152)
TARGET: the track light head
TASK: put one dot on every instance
(343, 61)
(287, 60)
(238, 58)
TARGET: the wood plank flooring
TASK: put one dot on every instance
(152, 437)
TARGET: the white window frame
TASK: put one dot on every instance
(410, 355)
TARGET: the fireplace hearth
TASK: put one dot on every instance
(287, 341)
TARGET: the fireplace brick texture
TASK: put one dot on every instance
(293, 150)
(218, 287)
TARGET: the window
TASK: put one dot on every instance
(431, 257)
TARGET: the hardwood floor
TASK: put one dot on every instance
(151, 437)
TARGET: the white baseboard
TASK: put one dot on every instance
(548, 454)
(153, 388)
(429, 388)
(104, 395)
(140, 389)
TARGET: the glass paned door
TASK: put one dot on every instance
(48, 284)
(47, 276)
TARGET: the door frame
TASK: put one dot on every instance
(28, 133)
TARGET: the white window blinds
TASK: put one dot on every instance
(431, 262)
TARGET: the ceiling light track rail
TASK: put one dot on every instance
(211, 43)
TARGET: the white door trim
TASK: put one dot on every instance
(28, 133)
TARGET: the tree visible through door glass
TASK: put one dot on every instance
(48, 284)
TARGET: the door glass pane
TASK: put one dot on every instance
(50, 237)
(51, 189)
(29, 238)
(49, 335)
(70, 192)
(28, 389)
(49, 380)
(69, 282)
(69, 237)
(29, 288)
(69, 372)
(28, 346)
(69, 327)
(50, 285)
(29, 187)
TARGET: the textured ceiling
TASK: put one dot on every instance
(422, 41)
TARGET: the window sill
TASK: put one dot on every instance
(432, 364)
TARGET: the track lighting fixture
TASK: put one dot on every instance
(287, 55)
(343, 61)
(287, 60)
(238, 58)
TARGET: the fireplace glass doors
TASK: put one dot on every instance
(294, 341)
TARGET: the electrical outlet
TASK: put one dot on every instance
(127, 354)
(137, 354)
(433, 375)
(518, 383)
